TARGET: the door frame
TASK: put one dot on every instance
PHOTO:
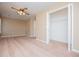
(70, 25)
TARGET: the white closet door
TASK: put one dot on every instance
(0, 25)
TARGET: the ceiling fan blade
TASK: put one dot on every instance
(25, 8)
(14, 8)
(27, 13)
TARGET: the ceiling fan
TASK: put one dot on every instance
(21, 11)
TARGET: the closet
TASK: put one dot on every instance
(58, 26)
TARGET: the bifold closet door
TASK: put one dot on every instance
(0, 25)
(59, 26)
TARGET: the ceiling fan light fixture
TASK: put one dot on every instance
(20, 13)
(23, 13)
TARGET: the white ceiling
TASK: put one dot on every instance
(34, 7)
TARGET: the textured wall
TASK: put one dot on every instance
(12, 27)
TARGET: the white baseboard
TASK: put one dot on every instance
(14, 35)
(59, 41)
(42, 41)
(75, 50)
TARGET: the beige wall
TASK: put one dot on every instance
(12, 27)
(28, 28)
(41, 26)
(32, 27)
(76, 26)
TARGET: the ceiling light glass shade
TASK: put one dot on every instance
(23, 13)
(20, 13)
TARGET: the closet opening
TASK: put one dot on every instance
(59, 27)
